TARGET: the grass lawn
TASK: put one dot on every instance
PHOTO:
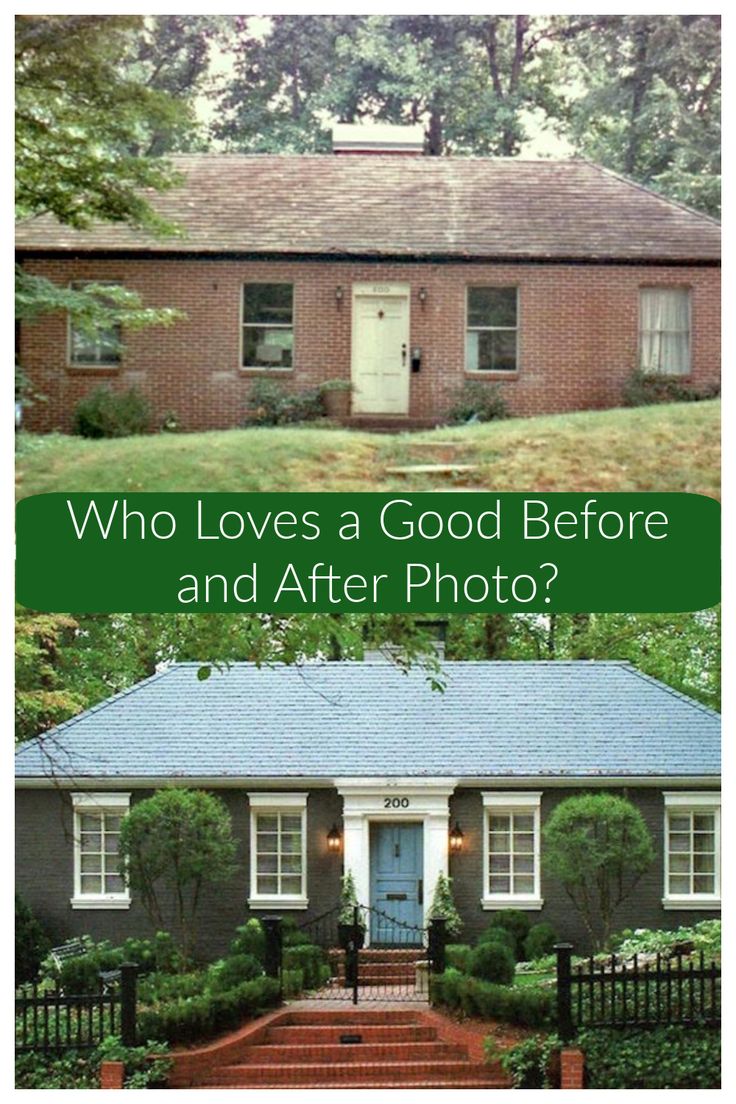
(657, 448)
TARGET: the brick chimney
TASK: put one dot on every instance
(383, 138)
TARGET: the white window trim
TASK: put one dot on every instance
(692, 801)
(105, 803)
(493, 373)
(89, 365)
(277, 803)
(271, 325)
(527, 802)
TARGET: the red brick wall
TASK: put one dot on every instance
(577, 333)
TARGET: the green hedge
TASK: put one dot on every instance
(308, 958)
(493, 961)
(192, 1019)
(457, 956)
(661, 1058)
(526, 1005)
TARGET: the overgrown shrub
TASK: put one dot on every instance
(516, 922)
(457, 956)
(81, 973)
(648, 388)
(492, 961)
(31, 942)
(108, 413)
(704, 936)
(158, 954)
(676, 1057)
(540, 941)
(230, 972)
(476, 401)
(309, 959)
(529, 1063)
(80, 1069)
(528, 1005)
(291, 934)
(270, 404)
(190, 1019)
(250, 939)
(496, 934)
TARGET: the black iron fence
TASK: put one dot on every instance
(52, 1020)
(639, 991)
(363, 955)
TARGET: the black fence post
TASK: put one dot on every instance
(128, 987)
(352, 956)
(437, 944)
(272, 956)
(565, 1027)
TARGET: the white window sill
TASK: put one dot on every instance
(527, 903)
(712, 903)
(100, 902)
(278, 902)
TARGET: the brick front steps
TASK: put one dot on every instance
(309, 1048)
(384, 966)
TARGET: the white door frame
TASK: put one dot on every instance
(364, 802)
(379, 291)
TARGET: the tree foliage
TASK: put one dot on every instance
(598, 846)
(172, 847)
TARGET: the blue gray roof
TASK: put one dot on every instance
(326, 720)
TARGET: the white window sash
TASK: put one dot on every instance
(250, 324)
(692, 803)
(491, 329)
(113, 804)
(509, 802)
(277, 804)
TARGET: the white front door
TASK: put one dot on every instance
(380, 355)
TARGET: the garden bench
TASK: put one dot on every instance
(75, 948)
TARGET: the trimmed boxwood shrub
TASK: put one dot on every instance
(250, 939)
(527, 1005)
(492, 961)
(191, 1019)
(540, 941)
(309, 959)
(516, 922)
(499, 935)
(457, 956)
(230, 972)
(677, 1057)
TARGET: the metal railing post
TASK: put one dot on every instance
(274, 939)
(565, 1027)
(128, 997)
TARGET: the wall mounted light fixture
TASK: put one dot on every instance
(423, 295)
(456, 839)
(334, 840)
(339, 294)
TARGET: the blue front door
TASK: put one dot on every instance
(397, 894)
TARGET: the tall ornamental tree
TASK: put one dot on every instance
(598, 846)
(173, 847)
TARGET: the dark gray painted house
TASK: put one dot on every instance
(295, 751)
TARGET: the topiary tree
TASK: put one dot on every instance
(598, 846)
(492, 961)
(172, 846)
(31, 942)
(540, 941)
(517, 923)
(443, 905)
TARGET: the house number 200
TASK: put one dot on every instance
(396, 802)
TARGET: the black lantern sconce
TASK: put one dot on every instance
(456, 839)
(423, 296)
(339, 295)
(334, 840)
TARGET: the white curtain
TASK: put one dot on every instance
(664, 323)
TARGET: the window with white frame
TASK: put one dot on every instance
(491, 338)
(278, 850)
(664, 331)
(268, 326)
(99, 348)
(98, 880)
(692, 849)
(511, 850)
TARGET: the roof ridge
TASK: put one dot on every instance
(650, 191)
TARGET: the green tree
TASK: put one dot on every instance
(650, 105)
(80, 120)
(598, 846)
(443, 905)
(173, 847)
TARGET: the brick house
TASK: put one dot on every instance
(405, 274)
(357, 766)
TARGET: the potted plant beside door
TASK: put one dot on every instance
(336, 397)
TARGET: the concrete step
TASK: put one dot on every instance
(369, 1033)
(432, 469)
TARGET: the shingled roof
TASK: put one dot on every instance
(319, 721)
(376, 205)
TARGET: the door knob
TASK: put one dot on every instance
(403, 353)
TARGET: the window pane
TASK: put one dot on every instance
(680, 864)
(491, 307)
(679, 884)
(291, 824)
(91, 883)
(111, 844)
(291, 843)
(499, 823)
(703, 822)
(114, 883)
(704, 864)
(679, 841)
(500, 864)
(91, 841)
(88, 822)
(268, 843)
(291, 864)
(704, 841)
(91, 864)
(500, 842)
(523, 823)
(267, 823)
(524, 864)
(523, 843)
(112, 823)
(267, 864)
(291, 884)
(500, 883)
(264, 348)
(679, 824)
(524, 883)
(267, 883)
(703, 883)
(268, 303)
(491, 351)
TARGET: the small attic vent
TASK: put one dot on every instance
(377, 138)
